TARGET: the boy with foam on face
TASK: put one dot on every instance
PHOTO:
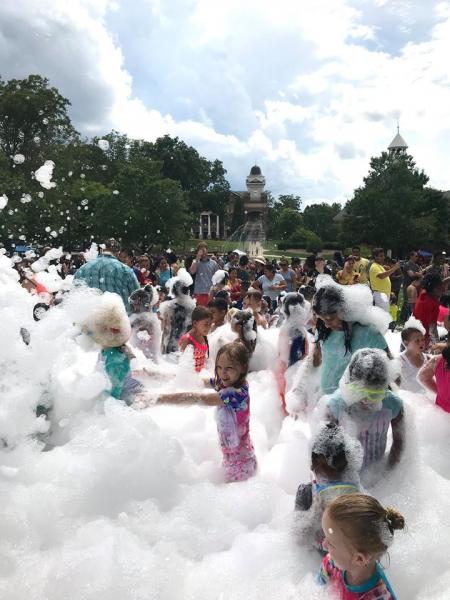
(365, 407)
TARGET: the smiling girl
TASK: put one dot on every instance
(358, 531)
(231, 397)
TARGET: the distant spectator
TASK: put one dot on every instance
(361, 265)
(348, 275)
(379, 279)
(427, 306)
(127, 257)
(203, 268)
(288, 275)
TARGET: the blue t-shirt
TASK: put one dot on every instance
(370, 428)
(334, 356)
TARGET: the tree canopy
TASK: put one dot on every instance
(395, 209)
(144, 193)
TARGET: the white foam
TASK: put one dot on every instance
(129, 504)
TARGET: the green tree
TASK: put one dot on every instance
(394, 209)
(289, 201)
(33, 117)
(204, 180)
(286, 222)
(283, 215)
(319, 219)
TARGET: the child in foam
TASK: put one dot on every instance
(336, 460)
(219, 309)
(197, 336)
(219, 284)
(109, 326)
(176, 313)
(347, 321)
(145, 325)
(231, 397)
(366, 408)
(435, 376)
(292, 340)
(244, 324)
(358, 530)
(413, 357)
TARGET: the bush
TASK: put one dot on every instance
(313, 243)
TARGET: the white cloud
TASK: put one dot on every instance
(310, 88)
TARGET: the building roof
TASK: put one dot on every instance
(255, 170)
(398, 143)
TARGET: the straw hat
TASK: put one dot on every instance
(260, 259)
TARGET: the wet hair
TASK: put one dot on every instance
(179, 288)
(39, 310)
(292, 299)
(243, 261)
(141, 300)
(200, 313)
(328, 454)
(370, 366)
(407, 333)
(365, 522)
(257, 294)
(446, 356)
(245, 318)
(223, 294)
(218, 304)
(445, 300)
(237, 354)
(430, 282)
(112, 245)
(329, 300)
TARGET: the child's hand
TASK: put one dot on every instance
(145, 399)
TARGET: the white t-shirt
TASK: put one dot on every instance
(266, 283)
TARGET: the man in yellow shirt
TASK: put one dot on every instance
(379, 279)
(361, 265)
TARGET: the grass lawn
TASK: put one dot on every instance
(270, 248)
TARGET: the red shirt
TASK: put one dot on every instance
(426, 310)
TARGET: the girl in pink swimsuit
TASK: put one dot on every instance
(435, 376)
(197, 336)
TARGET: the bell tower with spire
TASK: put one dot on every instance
(398, 144)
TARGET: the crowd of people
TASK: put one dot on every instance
(330, 317)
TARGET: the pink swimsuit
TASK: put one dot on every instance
(200, 351)
(442, 376)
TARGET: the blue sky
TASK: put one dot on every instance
(311, 89)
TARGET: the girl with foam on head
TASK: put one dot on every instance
(231, 397)
(145, 325)
(366, 408)
(347, 321)
(358, 531)
(108, 325)
(292, 340)
(176, 313)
